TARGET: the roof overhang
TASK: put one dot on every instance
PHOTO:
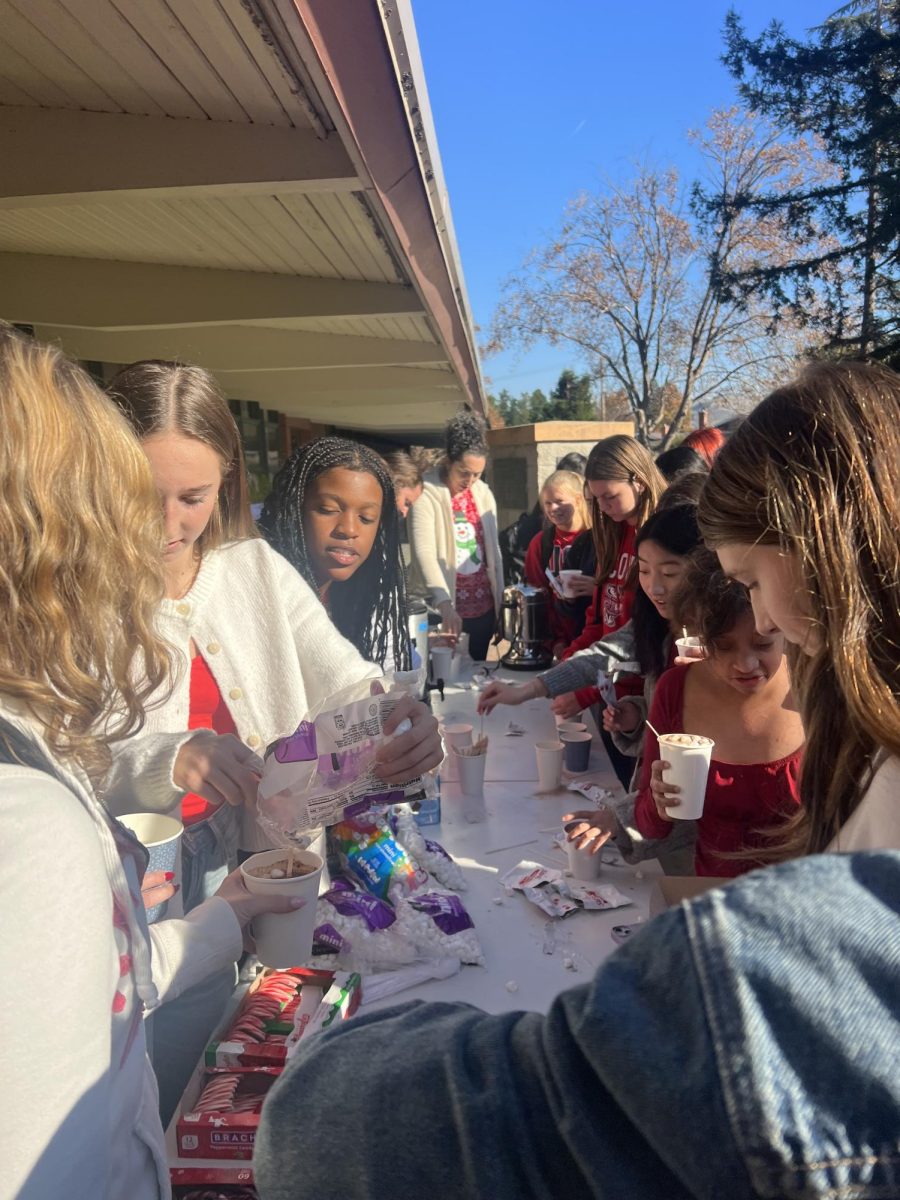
(253, 185)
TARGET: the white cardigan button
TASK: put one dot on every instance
(183, 610)
(253, 741)
(235, 693)
(213, 648)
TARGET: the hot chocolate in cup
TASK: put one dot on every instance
(688, 756)
(689, 647)
(284, 939)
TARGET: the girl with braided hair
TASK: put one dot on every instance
(333, 515)
(453, 535)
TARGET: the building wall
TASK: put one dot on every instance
(523, 456)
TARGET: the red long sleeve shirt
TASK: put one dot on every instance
(565, 621)
(742, 799)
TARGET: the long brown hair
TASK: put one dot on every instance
(621, 458)
(815, 470)
(163, 397)
(80, 569)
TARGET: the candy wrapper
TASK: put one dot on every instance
(325, 769)
(559, 897)
(607, 689)
(368, 852)
(428, 854)
(591, 791)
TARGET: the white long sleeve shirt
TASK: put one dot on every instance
(81, 1107)
(272, 650)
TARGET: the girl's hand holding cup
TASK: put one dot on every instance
(623, 717)
(665, 795)
(580, 586)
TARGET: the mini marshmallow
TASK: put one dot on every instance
(511, 985)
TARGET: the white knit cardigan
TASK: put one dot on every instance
(272, 650)
(432, 540)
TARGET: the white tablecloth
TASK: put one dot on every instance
(520, 825)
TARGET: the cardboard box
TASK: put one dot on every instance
(220, 1134)
(672, 889)
(227, 1182)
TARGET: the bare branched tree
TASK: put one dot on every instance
(629, 282)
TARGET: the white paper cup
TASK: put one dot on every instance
(284, 939)
(161, 836)
(458, 735)
(441, 663)
(470, 768)
(582, 863)
(564, 578)
(689, 647)
(689, 769)
(577, 747)
(549, 765)
(571, 727)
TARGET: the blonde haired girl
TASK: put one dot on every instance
(564, 545)
(803, 506)
(80, 582)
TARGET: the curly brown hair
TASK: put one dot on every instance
(80, 565)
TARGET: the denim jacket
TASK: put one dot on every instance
(745, 1044)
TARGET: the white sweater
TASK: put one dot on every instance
(81, 1107)
(432, 541)
(875, 823)
(272, 650)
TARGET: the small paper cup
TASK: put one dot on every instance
(571, 727)
(577, 751)
(161, 836)
(470, 768)
(549, 765)
(441, 663)
(689, 647)
(582, 863)
(565, 584)
(689, 769)
(284, 939)
(458, 736)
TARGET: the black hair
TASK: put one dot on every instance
(675, 529)
(369, 609)
(573, 462)
(465, 434)
(680, 460)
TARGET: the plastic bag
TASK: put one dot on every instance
(369, 853)
(325, 769)
(360, 930)
(428, 854)
(439, 925)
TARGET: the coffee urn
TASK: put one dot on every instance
(524, 617)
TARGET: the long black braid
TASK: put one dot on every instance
(370, 608)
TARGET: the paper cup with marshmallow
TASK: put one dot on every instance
(688, 756)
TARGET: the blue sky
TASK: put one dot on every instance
(534, 102)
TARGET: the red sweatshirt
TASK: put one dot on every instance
(741, 799)
(610, 610)
(566, 620)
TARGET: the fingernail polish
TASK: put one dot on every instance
(169, 876)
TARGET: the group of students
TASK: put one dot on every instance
(147, 661)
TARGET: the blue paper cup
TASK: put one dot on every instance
(161, 836)
(578, 751)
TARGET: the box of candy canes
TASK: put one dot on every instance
(213, 1183)
(256, 1035)
(220, 1111)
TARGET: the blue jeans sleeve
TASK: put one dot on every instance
(743, 1045)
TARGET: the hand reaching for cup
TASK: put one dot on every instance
(594, 829)
(498, 692)
(451, 621)
(580, 585)
(565, 707)
(665, 795)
